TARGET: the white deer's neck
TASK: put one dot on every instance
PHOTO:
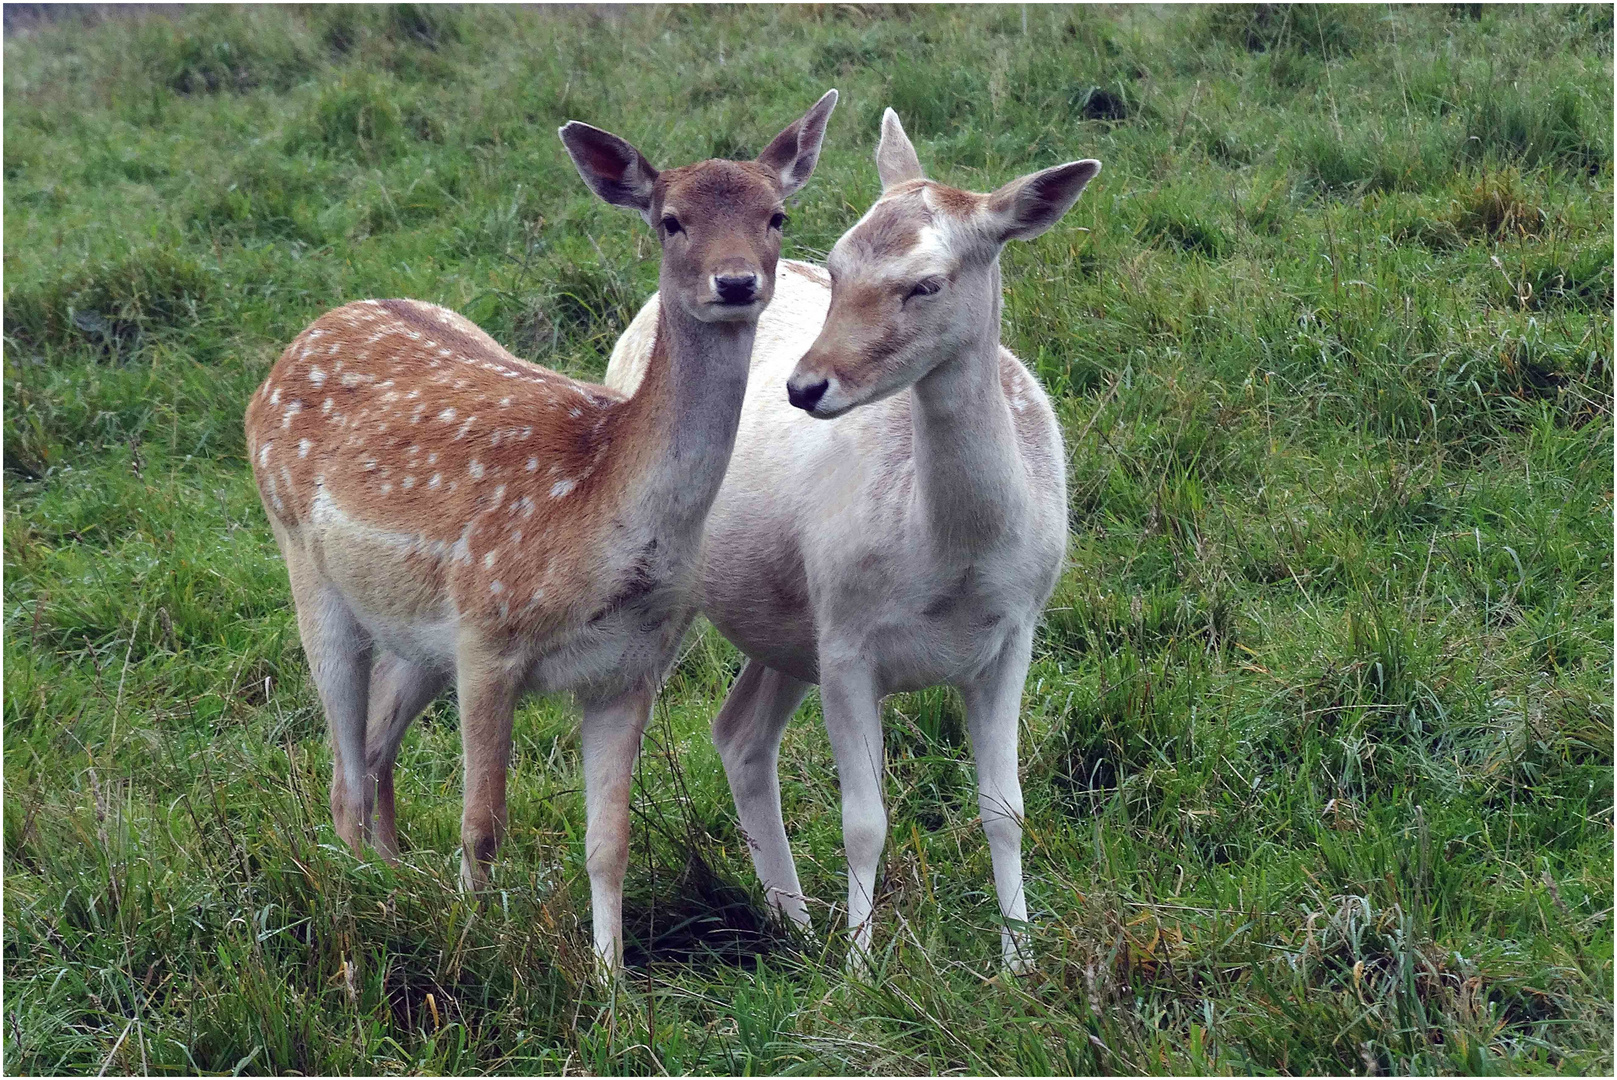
(688, 407)
(970, 482)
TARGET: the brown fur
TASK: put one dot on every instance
(414, 421)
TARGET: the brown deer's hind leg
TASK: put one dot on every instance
(339, 653)
(488, 698)
(399, 691)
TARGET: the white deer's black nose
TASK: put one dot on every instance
(806, 397)
(736, 288)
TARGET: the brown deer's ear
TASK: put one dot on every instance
(612, 168)
(896, 160)
(1027, 206)
(795, 151)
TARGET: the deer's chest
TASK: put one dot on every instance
(921, 627)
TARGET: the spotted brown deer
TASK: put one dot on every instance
(901, 527)
(448, 511)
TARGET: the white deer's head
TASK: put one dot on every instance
(917, 279)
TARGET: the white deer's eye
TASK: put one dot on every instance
(924, 287)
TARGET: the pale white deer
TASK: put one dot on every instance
(448, 511)
(907, 543)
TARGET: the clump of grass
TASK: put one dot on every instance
(1579, 279)
(1183, 229)
(219, 51)
(1370, 157)
(359, 115)
(1333, 29)
(1558, 126)
(113, 306)
(1496, 205)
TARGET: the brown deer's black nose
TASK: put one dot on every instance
(736, 288)
(807, 397)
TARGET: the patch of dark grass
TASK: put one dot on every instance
(1369, 157)
(1558, 126)
(1577, 279)
(358, 116)
(1325, 29)
(111, 307)
(212, 51)
(1182, 229)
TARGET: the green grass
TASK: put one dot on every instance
(1318, 741)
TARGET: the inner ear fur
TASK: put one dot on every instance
(1030, 204)
(796, 150)
(611, 166)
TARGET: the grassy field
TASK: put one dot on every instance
(1318, 740)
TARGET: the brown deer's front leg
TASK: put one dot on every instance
(611, 740)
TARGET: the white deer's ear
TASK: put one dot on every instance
(895, 154)
(795, 151)
(1027, 206)
(613, 169)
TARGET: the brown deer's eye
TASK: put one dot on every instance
(778, 221)
(671, 225)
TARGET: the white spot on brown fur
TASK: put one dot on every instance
(275, 398)
(264, 452)
(407, 483)
(303, 447)
(496, 587)
(447, 416)
(437, 478)
(317, 376)
(561, 488)
(325, 406)
(476, 469)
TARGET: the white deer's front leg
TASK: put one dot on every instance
(993, 709)
(611, 740)
(853, 720)
(747, 732)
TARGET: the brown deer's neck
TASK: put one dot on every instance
(684, 415)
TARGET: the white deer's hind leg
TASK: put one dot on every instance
(339, 653)
(399, 691)
(611, 740)
(853, 720)
(993, 709)
(747, 732)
